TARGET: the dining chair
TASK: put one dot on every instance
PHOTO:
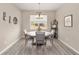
(51, 37)
(25, 34)
(40, 38)
(27, 37)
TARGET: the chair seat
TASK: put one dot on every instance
(39, 44)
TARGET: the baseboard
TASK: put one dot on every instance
(77, 52)
(8, 47)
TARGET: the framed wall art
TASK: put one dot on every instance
(4, 16)
(15, 20)
(9, 19)
(68, 21)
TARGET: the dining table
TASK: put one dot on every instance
(33, 34)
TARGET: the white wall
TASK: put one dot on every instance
(26, 18)
(69, 35)
(9, 32)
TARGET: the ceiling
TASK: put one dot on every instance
(35, 6)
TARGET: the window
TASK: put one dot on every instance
(36, 21)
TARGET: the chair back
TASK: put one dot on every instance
(25, 31)
(40, 37)
(52, 32)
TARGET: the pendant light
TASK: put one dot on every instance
(39, 13)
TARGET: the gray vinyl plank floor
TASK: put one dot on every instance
(55, 48)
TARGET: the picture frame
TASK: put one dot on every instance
(4, 16)
(15, 20)
(9, 19)
(68, 21)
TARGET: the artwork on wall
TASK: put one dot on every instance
(15, 20)
(4, 16)
(68, 21)
(9, 19)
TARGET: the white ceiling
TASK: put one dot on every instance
(35, 6)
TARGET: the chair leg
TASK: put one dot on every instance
(25, 45)
(26, 40)
(51, 40)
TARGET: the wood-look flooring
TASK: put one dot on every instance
(57, 48)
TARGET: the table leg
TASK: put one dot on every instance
(34, 41)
